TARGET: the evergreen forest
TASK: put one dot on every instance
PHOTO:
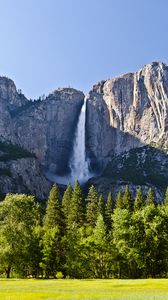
(84, 237)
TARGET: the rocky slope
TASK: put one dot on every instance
(20, 172)
(23, 176)
(144, 166)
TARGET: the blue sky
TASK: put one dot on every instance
(46, 44)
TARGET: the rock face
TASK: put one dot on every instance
(45, 128)
(48, 128)
(128, 112)
(11, 97)
(124, 113)
(10, 100)
(126, 133)
(23, 176)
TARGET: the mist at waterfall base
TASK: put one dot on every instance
(78, 164)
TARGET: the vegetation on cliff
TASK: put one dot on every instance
(9, 151)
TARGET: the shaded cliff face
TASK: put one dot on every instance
(128, 112)
(48, 128)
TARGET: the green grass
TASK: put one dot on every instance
(150, 289)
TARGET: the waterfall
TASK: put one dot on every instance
(78, 163)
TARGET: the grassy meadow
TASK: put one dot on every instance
(150, 289)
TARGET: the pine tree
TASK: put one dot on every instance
(101, 206)
(150, 200)
(66, 202)
(139, 200)
(108, 211)
(76, 209)
(92, 206)
(100, 230)
(127, 199)
(119, 201)
(53, 215)
(53, 233)
(166, 198)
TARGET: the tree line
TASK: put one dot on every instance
(84, 237)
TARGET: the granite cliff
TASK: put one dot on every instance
(129, 112)
(126, 129)
(48, 128)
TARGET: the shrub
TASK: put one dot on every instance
(59, 275)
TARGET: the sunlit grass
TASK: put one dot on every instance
(150, 289)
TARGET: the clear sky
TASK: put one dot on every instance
(46, 44)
